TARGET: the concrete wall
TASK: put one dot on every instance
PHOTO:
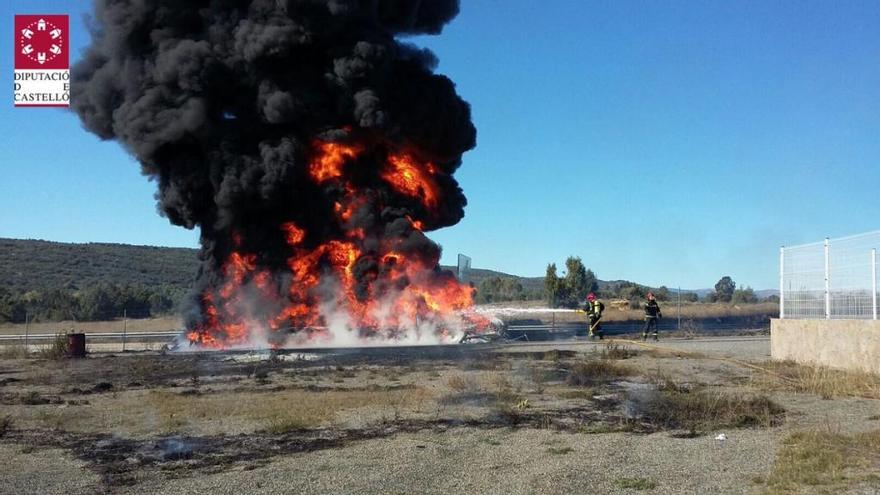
(844, 344)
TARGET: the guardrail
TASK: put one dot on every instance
(98, 336)
(511, 332)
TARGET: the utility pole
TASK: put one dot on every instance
(874, 283)
(27, 330)
(782, 283)
(124, 327)
(679, 308)
(827, 279)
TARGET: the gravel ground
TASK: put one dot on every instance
(505, 462)
(473, 460)
(44, 472)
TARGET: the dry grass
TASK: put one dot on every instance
(617, 351)
(13, 351)
(710, 410)
(56, 349)
(489, 389)
(825, 382)
(277, 412)
(584, 373)
(462, 383)
(161, 412)
(636, 483)
(5, 424)
(825, 459)
(559, 450)
(576, 394)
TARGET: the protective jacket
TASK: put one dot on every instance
(595, 308)
(652, 309)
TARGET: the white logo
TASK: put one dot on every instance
(48, 46)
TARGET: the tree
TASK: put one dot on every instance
(744, 296)
(632, 291)
(98, 302)
(577, 284)
(690, 297)
(592, 281)
(551, 285)
(497, 289)
(576, 279)
(572, 289)
(662, 294)
(724, 289)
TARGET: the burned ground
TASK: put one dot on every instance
(151, 421)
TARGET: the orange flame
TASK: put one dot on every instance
(411, 178)
(295, 235)
(329, 160)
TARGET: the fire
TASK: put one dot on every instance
(329, 160)
(295, 235)
(382, 288)
(416, 224)
(411, 178)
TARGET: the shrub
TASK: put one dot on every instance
(589, 372)
(58, 348)
(705, 410)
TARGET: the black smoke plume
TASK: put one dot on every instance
(222, 102)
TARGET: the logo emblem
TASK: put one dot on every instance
(42, 60)
(41, 42)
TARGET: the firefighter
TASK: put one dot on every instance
(594, 312)
(652, 316)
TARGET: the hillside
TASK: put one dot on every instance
(35, 264)
(27, 264)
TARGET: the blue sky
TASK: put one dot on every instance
(663, 142)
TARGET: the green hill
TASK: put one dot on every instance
(35, 265)
(27, 264)
(57, 280)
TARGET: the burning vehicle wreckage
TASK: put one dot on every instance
(311, 147)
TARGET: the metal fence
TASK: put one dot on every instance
(834, 279)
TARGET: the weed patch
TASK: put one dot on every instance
(600, 428)
(823, 458)
(5, 424)
(819, 380)
(13, 351)
(617, 352)
(636, 483)
(707, 410)
(586, 373)
(559, 450)
(462, 383)
(57, 349)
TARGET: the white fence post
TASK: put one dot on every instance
(827, 281)
(782, 283)
(874, 281)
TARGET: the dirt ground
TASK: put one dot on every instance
(707, 415)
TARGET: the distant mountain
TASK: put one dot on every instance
(35, 264)
(765, 293)
(27, 264)
(699, 292)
